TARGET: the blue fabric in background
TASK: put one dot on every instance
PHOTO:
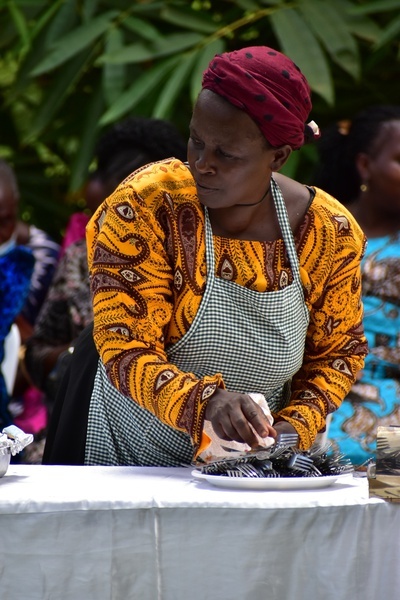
(375, 399)
(16, 268)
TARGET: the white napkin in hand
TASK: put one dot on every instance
(216, 449)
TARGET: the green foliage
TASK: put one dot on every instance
(71, 68)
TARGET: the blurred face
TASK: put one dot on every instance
(8, 211)
(95, 193)
(228, 156)
(383, 168)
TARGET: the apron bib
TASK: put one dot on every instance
(256, 340)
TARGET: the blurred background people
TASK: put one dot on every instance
(360, 165)
(67, 310)
(16, 269)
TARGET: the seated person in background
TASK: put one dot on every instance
(68, 306)
(360, 165)
(25, 405)
(44, 249)
(219, 278)
(16, 268)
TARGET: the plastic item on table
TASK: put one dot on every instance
(12, 441)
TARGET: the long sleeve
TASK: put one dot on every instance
(335, 344)
(133, 262)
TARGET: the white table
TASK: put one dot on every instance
(127, 533)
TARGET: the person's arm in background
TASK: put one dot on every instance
(65, 313)
(46, 252)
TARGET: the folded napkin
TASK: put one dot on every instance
(218, 448)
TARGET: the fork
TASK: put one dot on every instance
(287, 439)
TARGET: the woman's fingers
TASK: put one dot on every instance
(237, 417)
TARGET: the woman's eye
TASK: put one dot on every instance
(195, 142)
(225, 154)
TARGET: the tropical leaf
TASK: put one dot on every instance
(359, 25)
(142, 28)
(89, 8)
(188, 19)
(375, 7)
(131, 54)
(203, 58)
(142, 86)
(175, 82)
(65, 20)
(138, 53)
(84, 156)
(57, 93)
(20, 23)
(75, 41)
(44, 18)
(329, 26)
(390, 33)
(150, 8)
(300, 44)
(250, 5)
(177, 42)
(113, 75)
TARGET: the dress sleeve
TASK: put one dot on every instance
(335, 344)
(132, 276)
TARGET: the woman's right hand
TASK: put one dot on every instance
(232, 413)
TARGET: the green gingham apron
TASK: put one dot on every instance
(256, 340)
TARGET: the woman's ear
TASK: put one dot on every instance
(280, 156)
(362, 165)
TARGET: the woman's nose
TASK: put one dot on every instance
(204, 163)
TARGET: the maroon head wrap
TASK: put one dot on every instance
(268, 86)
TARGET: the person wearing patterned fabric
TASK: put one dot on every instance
(360, 164)
(221, 277)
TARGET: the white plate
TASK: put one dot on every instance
(272, 483)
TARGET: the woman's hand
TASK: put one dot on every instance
(232, 413)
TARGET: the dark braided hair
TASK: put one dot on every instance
(337, 173)
(133, 143)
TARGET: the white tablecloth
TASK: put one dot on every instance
(127, 533)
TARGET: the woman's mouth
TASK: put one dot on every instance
(204, 189)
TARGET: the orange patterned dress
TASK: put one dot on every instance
(146, 252)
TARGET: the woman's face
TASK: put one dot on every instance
(229, 158)
(383, 175)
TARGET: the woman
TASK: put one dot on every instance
(360, 166)
(201, 292)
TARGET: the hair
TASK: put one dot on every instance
(339, 146)
(133, 143)
(7, 174)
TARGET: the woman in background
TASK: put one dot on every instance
(360, 165)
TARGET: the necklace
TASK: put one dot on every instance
(258, 201)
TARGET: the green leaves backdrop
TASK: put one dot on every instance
(71, 68)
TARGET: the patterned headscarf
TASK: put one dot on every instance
(269, 87)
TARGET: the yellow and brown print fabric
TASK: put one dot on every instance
(146, 252)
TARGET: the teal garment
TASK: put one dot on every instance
(375, 399)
